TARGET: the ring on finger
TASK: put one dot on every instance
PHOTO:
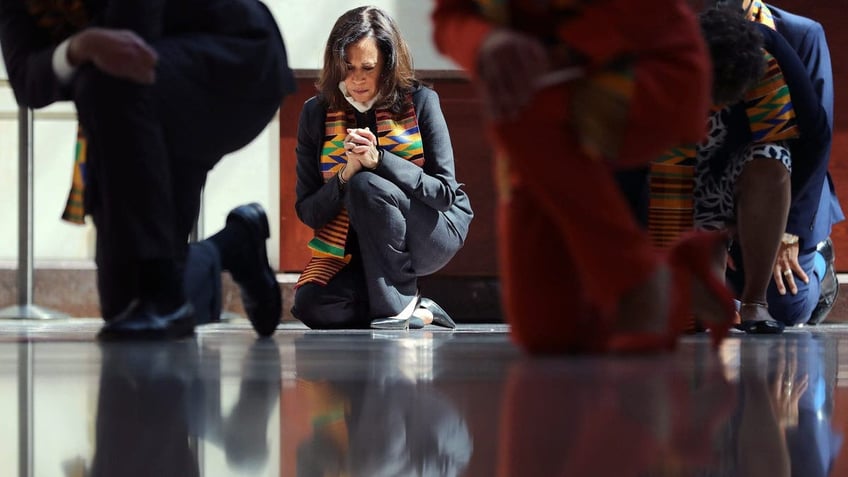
(787, 272)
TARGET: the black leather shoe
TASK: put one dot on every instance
(440, 316)
(829, 285)
(141, 321)
(761, 327)
(260, 292)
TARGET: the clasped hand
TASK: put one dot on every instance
(361, 150)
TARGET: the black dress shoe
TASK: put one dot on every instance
(141, 321)
(440, 316)
(761, 327)
(829, 285)
(260, 292)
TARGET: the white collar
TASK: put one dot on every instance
(361, 107)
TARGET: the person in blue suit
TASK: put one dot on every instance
(804, 287)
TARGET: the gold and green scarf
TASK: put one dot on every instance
(74, 208)
(672, 176)
(400, 136)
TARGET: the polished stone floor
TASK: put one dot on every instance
(421, 403)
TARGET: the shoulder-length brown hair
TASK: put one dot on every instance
(397, 77)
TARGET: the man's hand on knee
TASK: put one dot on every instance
(786, 266)
(120, 53)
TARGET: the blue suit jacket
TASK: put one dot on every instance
(815, 207)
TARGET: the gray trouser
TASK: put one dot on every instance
(400, 239)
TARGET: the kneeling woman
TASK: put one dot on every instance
(375, 180)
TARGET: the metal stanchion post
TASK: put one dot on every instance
(26, 310)
(25, 411)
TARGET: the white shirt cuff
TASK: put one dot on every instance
(61, 66)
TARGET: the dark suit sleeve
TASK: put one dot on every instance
(28, 55)
(317, 202)
(810, 151)
(434, 184)
(815, 55)
(807, 38)
(145, 17)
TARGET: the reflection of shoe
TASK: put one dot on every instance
(829, 285)
(246, 427)
(440, 316)
(143, 402)
(260, 292)
(150, 361)
(141, 321)
(692, 264)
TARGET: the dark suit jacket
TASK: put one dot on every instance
(815, 208)
(319, 202)
(28, 49)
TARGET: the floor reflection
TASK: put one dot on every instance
(623, 416)
(383, 419)
(158, 401)
(467, 403)
(782, 422)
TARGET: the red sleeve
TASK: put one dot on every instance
(607, 29)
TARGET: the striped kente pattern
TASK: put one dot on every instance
(672, 185)
(74, 209)
(769, 107)
(400, 137)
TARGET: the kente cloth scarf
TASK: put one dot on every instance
(74, 208)
(672, 176)
(672, 186)
(400, 136)
(60, 19)
(600, 101)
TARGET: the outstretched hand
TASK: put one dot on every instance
(120, 53)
